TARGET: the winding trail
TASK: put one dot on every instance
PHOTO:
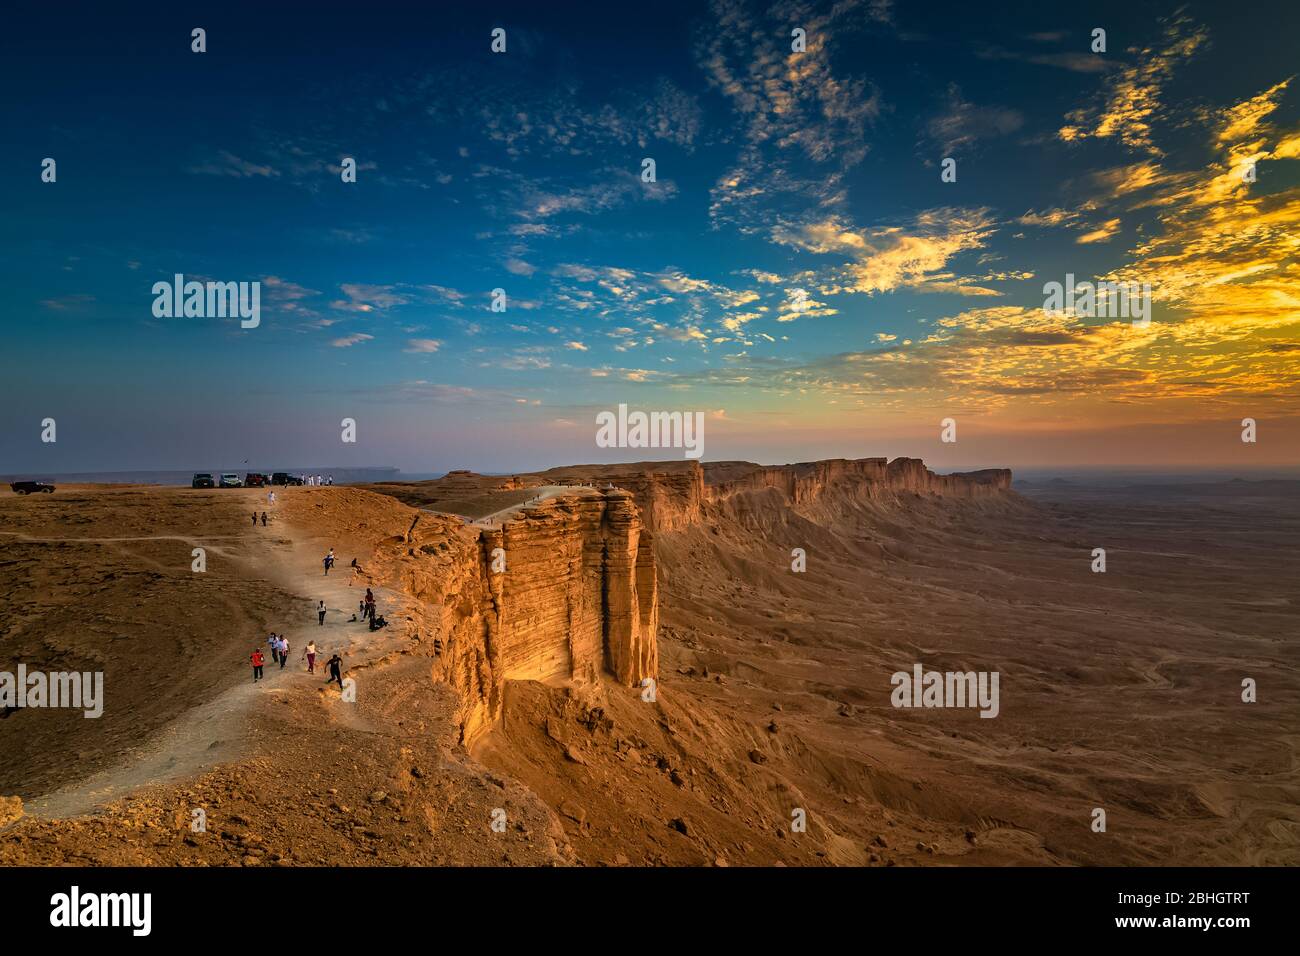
(222, 729)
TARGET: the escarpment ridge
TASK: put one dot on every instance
(564, 588)
(671, 495)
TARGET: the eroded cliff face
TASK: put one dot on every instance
(668, 494)
(578, 596)
(674, 495)
(873, 477)
(571, 595)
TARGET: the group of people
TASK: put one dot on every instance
(279, 649)
(279, 644)
(316, 480)
(255, 519)
(280, 653)
(367, 606)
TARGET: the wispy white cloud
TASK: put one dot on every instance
(350, 340)
(962, 124)
(422, 345)
(228, 164)
(368, 298)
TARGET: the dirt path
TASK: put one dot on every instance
(221, 730)
(543, 492)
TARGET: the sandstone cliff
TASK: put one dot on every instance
(577, 597)
(674, 495)
(579, 594)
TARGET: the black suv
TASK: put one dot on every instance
(29, 487)
(203, 480)
(284, 478)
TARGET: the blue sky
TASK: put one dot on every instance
(781, 177)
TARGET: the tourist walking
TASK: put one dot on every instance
(335, 665)
(320, 611)
(258, 660)
(310, 653)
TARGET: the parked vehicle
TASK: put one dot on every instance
(230, 480)
(203, 480)
(255, 479)
(30, 487)
(284, 478)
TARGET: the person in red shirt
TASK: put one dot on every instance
(258, 660)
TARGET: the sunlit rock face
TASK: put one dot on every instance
(577, 599)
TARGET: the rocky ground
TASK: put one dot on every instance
(771, 739)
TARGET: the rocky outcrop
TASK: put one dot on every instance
(669, 494)
(11, 810)
(469, 482)
(565, 591)
(631, 609)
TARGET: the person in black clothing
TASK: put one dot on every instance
(254, 519)
(335, 665)
(263, 519)
(321, 612)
